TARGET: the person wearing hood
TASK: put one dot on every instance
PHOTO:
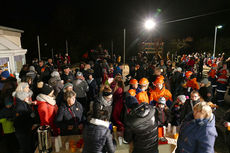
(190, 103)
(56, 82)
(206, 90)
(70, 115)
(47, 108)
(24, 120)
(198, 132)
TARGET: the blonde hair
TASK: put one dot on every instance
(21, 86)
(204, 108)
(69, 94)
(105, 88)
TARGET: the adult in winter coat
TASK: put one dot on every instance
(176, 110)
(93, 88)
(97, 136)
(70, 115)
(198, 132)
(67, 75)
(60, 97)
(47, 107)
(80, 86)
(118, 103)
(141, 128)
(32, 73)
(56, 82)
(24, 121)
(103, 102)
(189, 104)
(176, 82)
(206, 90)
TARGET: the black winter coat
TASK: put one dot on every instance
(23, 122)
(66, 116)
(67, 78)
(93, 90)
(141, 128)
(188, 108)
(97, 139)
(206, 93)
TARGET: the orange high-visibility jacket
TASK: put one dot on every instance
(142, 97)
(193, 84)
(155, 94)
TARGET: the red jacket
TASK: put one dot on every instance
(47, 113)
(118, 105)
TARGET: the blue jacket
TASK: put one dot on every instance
(197, 136)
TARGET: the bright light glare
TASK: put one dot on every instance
(150, 24)
(219, 26)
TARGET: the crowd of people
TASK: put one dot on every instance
(91, 98)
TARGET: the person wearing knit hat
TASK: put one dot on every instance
(60, 97)
(5, 75)
(32, 68)
(163, 112)
(131, 102)
(56, 82)
(181, 99)
(68, 87)
(176, 110)
(55, 74)
(47, 107)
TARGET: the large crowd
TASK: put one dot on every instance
(91, 98)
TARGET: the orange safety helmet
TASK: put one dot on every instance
(188, 74)
(159, 79)
(144, 81)
(132, 92)
(214, 65)
(133, 81)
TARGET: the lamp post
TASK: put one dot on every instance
(149, 25)
(214, 48)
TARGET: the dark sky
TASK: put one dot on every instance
(87, 23)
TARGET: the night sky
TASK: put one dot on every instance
(86, 23)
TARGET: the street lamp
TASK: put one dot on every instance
(214, 48)
(150, 24)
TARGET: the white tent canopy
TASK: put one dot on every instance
(12, 56)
